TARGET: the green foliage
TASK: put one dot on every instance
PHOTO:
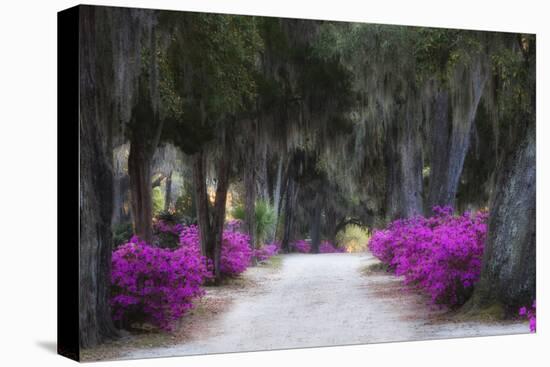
(122, 233)
(185, 209)
(265, 219)
(158, 200)
(353, 238)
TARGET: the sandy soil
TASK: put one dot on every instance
(314, 300)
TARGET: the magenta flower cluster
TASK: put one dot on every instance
(155, 285)
(302, 246)
(162, 226)
(266, 251)
(531, 315)
(326, 247)
(235, 252)
(440, 254)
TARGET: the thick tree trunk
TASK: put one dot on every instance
(96, 194)
(404, 166)
(218, 216)
(168, 192)
(509, 266)
(330, 225)
(139, 169)
(316, 226)
(211, 220)
(262, 177)
(288, 211)
(438, 187)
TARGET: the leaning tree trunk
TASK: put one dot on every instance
(139, 170)
(96, 194)
(451, 138)
(509, 267)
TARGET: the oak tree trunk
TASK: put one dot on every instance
(290, 201)
(211, 220)
(96, 193)
(139, 170)
(403, 159)
(509, 266)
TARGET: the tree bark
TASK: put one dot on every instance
(290, 201)
(218, 217)
(168, 192)
(438, 188)
(201, 199)
(509, 266)
(316, 226)
(277, 197)
(451, 135)
(331, 225)
(139, 169)
(96, 192)
(211, 220)
(403, 159)
(250, 187)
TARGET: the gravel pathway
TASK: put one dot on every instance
(321, 300)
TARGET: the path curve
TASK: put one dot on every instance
(320, 300)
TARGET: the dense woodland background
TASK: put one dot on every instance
(327, 123)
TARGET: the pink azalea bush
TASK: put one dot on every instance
(440, 254)
(155, 285)
(326, 247)
(166, 234)
(235, 252)
(302, 246)
(531, 315)
(266, 251)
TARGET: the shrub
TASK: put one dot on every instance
(531, 315)
(441, 254)
(264, 216)
(266, 251)
(302, 246)
(155, 285)
(166, 233)
(122, 233)
(326, 247)
(235, 252)
(185, 208)
(353, 238)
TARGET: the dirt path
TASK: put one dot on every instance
(318, 300)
